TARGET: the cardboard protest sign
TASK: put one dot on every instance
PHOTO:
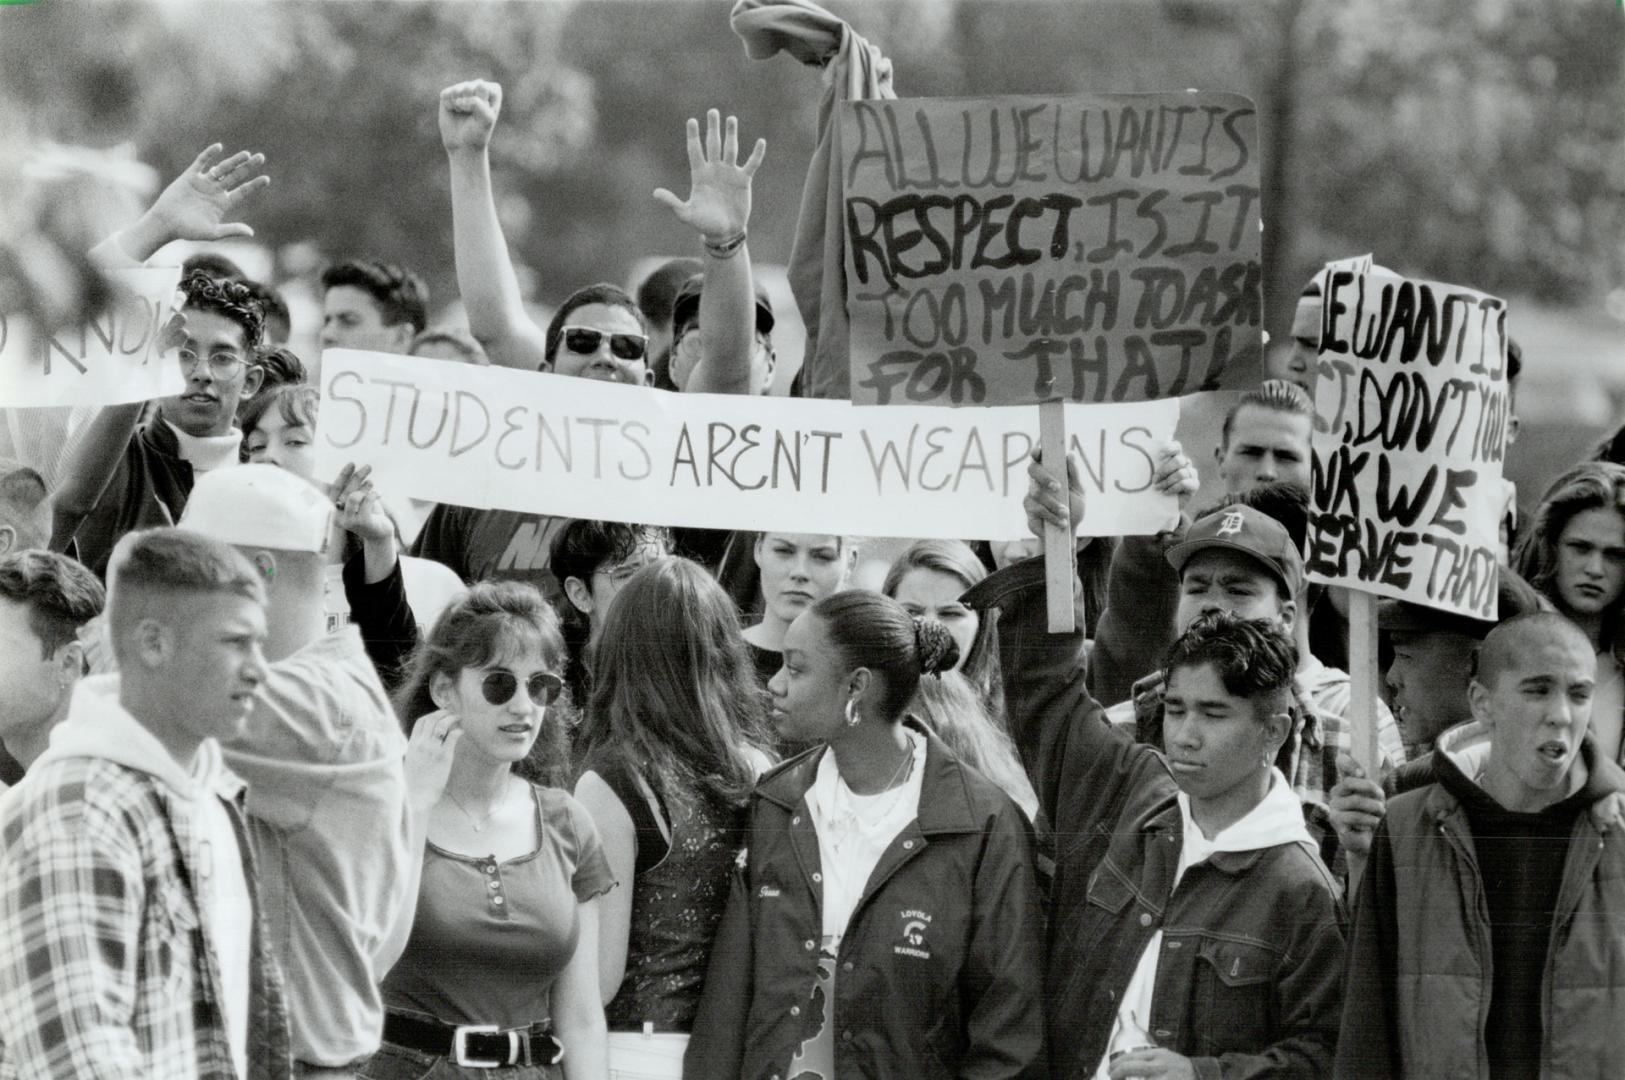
(110, 360)
(494, 437)
(1012, 250)
(1411, 421)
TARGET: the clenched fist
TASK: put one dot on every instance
(468, 114)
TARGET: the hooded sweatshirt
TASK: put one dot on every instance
(1520, 857)
(1276, 820)
(98, 726)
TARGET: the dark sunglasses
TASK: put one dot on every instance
(584, 341)
(499, 687)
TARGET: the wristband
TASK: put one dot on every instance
(725, 249)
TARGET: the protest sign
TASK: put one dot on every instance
(1011, 250)
(494, 437)
(1411, 421)
(112, 359)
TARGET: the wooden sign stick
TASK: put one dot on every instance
(1363, 690)
(1060, 551)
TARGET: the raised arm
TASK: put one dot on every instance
(718, 208)
(485, 277)
(197, 205)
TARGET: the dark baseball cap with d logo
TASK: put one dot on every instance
(1251, 532)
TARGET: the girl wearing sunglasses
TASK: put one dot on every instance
(501, 969)
(673, 745)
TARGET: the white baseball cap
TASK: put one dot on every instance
(260, 506)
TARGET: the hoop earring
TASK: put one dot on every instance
(852, 716)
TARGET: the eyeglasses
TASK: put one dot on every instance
(584, 341)
(499, 687)
(222, 365)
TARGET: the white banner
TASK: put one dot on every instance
(1410, 431)
(494, 437)
(109, 361)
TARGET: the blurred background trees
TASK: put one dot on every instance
(1474, 141)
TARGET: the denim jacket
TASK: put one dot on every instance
(1249, 979)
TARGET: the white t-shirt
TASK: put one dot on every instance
(223, 899)
(854, 831)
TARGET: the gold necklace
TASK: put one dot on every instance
(479, 823)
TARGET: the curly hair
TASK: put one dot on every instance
(493, 619)
(230, 300)
(1252, 657)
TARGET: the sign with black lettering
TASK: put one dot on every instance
(1410, 431)
(1014, 250)
(114, 358)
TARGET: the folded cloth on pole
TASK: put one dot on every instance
(854, 70)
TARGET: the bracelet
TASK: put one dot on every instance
(725, 249)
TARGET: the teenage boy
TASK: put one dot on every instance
(1265, 439)
(1486, 938)
(131, 940)
(45, 599)
(367, 304)
(1194, 931)
(121, 478)
(328, 811)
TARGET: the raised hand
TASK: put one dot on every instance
(198, 202)
(718, 204)
(360, 511)
(468, 115)
(1044, 505)
(429, 753)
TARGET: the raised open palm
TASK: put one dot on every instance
(198, 204)
(718, 204)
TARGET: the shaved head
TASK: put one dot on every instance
(1515, 637)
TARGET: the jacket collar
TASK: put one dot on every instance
(1603, 777)
(945, 800)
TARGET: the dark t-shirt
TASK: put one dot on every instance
(1520, 858)
(482, 545)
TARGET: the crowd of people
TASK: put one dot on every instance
(308, 780)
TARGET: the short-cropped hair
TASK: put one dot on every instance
(163, 562)
(60, 594)
(1276, 395)
(1252, 657)
(401, 295)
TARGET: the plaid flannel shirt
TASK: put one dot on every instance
(105, 969)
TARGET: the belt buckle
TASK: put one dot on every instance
(459, 1047)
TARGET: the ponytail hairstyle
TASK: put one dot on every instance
(492, 621)
(956, 559)
(873, 631)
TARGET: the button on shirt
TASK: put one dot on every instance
(1277, 819)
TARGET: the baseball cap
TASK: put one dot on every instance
(687, 305)
(1513, 595)
(1251, 532)
(259, 506)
